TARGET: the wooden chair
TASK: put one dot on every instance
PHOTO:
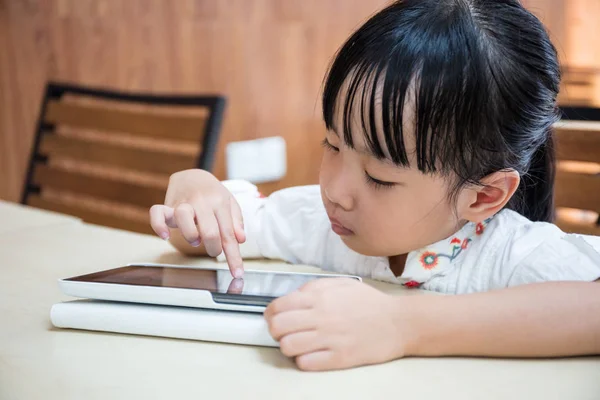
(580, 87)
(105, 156)
(577, 187)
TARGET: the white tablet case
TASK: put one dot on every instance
(165, 321)
(166, 295)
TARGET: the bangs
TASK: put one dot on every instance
(427, 63)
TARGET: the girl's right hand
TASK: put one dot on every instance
(205, 212)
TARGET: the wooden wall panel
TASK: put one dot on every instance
(552, 14)
(583, 40)
(574, 29)
(267, 56)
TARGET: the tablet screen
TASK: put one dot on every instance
(254, 283)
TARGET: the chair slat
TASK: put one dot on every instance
(574, 190)
(106, 189)
(174, 127)
(578, 141)
(91, 216)
(123, 143)
(144, 160)
(578, 227)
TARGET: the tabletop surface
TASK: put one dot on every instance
(38, 361)
(16, 217)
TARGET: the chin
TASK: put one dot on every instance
(354, 244)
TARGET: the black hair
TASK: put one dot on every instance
(484, 78)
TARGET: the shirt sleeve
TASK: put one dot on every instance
(290, 224)
(541, 252)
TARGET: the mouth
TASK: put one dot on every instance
(340, 229)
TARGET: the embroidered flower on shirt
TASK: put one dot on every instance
(429, 260)
(432, 257)
(479, 228)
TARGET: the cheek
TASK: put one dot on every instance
(325, 168)
(401, 214)
(412, 219)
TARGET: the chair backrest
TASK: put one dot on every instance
(105, 156)
(580, 87)
(578, 176)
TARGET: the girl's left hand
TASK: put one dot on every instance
(336, 323)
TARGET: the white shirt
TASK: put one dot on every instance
(507, 250)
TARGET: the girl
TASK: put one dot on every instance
(438, 173)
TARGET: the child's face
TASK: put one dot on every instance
(411, 213)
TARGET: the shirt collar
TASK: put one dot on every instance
(423, 264)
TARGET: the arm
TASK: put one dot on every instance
(537, 320)
(342, 323)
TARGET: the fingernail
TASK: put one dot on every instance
(164, 236)
(195, 243)
(238, 273)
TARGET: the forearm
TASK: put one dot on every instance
(539, 320)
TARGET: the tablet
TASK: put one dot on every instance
(199, 287)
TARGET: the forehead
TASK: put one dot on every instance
(359, 114)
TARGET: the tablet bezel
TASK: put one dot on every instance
(182, 297)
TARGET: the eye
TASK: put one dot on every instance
(376, 183)
(325, 143)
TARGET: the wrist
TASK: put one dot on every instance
(415, 319)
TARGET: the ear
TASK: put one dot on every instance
(495, 191)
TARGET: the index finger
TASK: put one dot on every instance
(293, 301)
(229, 242)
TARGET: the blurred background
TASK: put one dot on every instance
(265, 58)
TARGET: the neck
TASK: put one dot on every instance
(397, 264)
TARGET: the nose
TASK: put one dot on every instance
(338, 191)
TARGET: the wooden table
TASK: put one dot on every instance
(16, 217)
(38, 361)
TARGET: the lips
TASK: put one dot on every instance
(338, 228)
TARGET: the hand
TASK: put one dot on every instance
(205, 212)
(335, 323)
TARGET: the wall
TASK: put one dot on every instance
(267, 56)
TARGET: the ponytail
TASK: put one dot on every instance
(534, 198)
